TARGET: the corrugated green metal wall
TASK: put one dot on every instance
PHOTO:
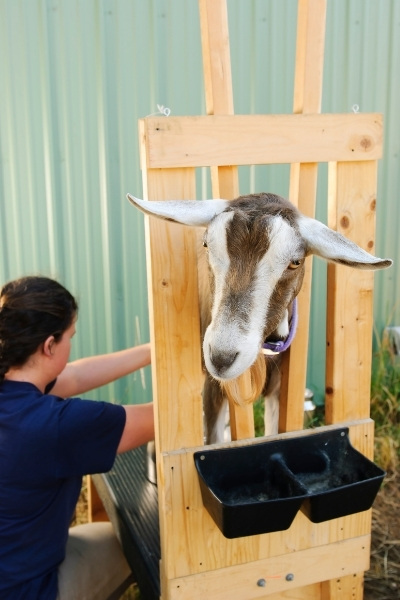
(75, 77)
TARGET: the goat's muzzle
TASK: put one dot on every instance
(238, 390)
(222, 360)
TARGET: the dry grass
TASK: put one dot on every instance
(382, 581)
(133, 593)
(385, 406)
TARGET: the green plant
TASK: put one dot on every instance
(259, 417)
(385, 404)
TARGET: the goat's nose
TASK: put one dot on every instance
(222, 359)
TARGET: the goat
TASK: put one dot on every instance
(256, 247)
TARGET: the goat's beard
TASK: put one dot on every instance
(246, 388)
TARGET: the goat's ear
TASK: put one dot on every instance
(197, 213)
(333, 246)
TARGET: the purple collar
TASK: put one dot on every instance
(282, 345)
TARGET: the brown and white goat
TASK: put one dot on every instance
(256, 247)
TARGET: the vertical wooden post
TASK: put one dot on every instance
(173, 308)
(225, 182)
(218, 83)
(352, 200)
(345, 588)
(174, 331)
(349, 357)
(96, 510)
(303, 190)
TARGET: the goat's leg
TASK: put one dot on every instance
(271, 394)
(215, 405)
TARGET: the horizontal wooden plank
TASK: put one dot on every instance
(221, 140)
(307, 592)
(279, 573)
(361, 433)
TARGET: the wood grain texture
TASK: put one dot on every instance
(350, 295)
(196, 545)
(280, 573)
(308, 82)
(224, 140)
(326, 559)
(174, 318)
(224, 179)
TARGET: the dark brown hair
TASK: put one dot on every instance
(31, 309)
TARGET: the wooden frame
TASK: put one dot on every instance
(315, 561)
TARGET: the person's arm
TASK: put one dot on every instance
(86, 374)
(139, 426)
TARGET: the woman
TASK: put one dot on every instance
(48, 442)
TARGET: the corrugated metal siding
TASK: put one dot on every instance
(75, 77)
(362, 67)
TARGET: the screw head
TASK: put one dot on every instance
(289, 577)
(261, 583)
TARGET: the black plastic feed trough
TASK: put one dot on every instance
(249, 490)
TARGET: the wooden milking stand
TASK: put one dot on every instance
(310, 561)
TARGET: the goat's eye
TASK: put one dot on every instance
(295, 264)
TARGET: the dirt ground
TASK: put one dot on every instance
(382, 581)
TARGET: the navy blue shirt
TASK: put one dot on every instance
(46, 445)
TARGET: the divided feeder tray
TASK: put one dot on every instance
(249, 490)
